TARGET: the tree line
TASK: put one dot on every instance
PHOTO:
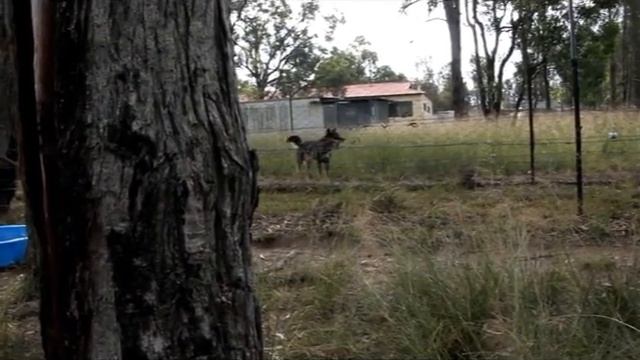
(282, 57)
(608, 52)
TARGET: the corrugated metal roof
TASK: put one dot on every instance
(380, 89)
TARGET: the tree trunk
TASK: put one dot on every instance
(452, 11)
(140, 181)
(613, 75)
(634, 34)
(625, 54)
(497, 105)
(547, 86)
(8, 108)
(477, 61)
(520, 98)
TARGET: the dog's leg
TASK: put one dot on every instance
(308, 172)
(299, 160)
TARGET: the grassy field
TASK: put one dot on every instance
(397, 272)
(504, 273)
(441, 150)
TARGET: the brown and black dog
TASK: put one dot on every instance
(319, 150)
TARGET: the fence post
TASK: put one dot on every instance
(576, 106)
(291, 112)
(528, 82)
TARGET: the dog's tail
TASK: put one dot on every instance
(295, 140)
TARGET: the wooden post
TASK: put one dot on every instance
(576, 108)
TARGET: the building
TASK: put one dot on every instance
(359, 105)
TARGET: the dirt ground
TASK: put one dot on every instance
(305, 227)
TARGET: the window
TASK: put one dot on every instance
(401, 109)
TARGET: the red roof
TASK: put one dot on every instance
(380, 89)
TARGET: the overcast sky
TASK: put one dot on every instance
(400, 39)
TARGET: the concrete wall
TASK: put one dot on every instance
(273, 115)
(422, 106)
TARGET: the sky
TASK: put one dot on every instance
(400, 39)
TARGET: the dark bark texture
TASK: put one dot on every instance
(147, 187)
(634, 35)
(452, 12)
(8, 107)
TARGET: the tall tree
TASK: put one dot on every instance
(452, 13)
(139, 179)
(634, 45)
(340, 68)
(270, 37)
(439, 89)
(8, 109)
(385, 73)
(294, 80)
(489, 69)
(356, 64)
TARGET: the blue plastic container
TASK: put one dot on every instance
(13, 244)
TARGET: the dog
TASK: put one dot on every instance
(318, 151)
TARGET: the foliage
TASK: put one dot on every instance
(491, 18)
(438, 89)
(384, 73)
(339, 69)
(547, 33)
(275, 46)
(247, 90)
(356, 64)
(452, 12)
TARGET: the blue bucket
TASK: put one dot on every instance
(13, 244)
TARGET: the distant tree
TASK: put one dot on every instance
(438, 88)
(428, 83)
(629, 56)
(452, 13)
(385, 73)
(446, 86)
(297, 78)
(271, 40)
(487, 17)
(248, 90)
(340, 68)
(356, 64)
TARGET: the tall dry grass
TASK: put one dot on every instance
(440, 150)
(461, 278)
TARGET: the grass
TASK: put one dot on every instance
(506, 273)
(19, 337)
(441, 150)
(443, 273)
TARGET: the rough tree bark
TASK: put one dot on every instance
(625, 56)
(452, 13)
(140, 181)
(8, 108)
(634, 45)
(547, 85)
(477, 62)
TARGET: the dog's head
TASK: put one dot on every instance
(294, 140)
(333, 135)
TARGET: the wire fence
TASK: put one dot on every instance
(445, 154)
(543, 142)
